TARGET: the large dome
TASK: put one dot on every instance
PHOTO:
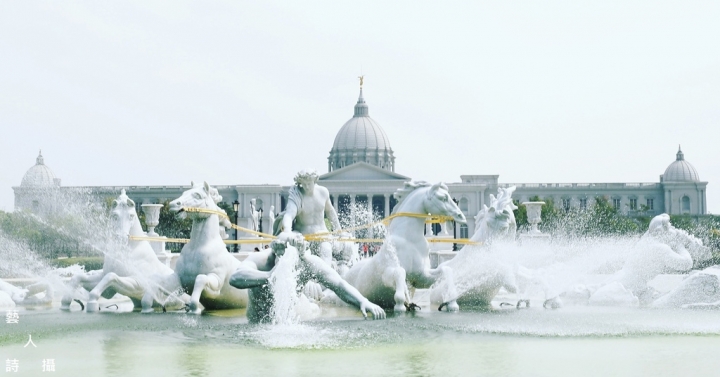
(39, 175)
(680, 170)
(361, 139)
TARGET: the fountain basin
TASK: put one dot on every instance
(536, 342)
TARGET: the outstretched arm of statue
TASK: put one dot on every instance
(290, 213)
(679, 260)
(248, 276)
(331, 214)
(332, 280)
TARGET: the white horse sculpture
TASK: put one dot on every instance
(478, 272)
(509, 233)
(134, 271)
(204, 265)
(404, 256)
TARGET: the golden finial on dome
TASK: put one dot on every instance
(361, 80)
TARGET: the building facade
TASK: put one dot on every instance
(361, 172)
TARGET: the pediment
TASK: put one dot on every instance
(362, 171)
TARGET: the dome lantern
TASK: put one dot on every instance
(680, 170)
(39, 175)
(361, 139)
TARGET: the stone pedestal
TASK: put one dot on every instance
(534, 212)
(152, 219)
(439, 256)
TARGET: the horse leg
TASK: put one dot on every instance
(124, 285)
(88, 281)
(394, 277)
(450, 295)
(170, 290)
(202, 281)
(147, 303)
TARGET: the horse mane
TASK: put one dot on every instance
(402, 193)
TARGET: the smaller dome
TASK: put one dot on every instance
(680, 170)
(39, 175)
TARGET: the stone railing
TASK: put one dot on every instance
(643, 185)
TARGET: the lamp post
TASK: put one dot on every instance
(236, 207)
(455, 229)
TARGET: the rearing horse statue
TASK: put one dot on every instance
(479, 273)
(404, 256)
(204, 265)
(132, 270)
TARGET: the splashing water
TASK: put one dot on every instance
(284, 286)
(18, 260)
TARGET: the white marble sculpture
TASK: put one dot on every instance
(257, 269)
(271, 215)
(11, 295)
(699, 290)
(479, 273)
(404, 254)
(510, 207)
(253, 223)
(662, 249)
(204, 266)
(134, 271)
(307, 207)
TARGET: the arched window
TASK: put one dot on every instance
(685, 204)
(464, 205)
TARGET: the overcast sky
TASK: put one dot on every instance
(162, 93)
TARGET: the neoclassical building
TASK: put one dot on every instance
(362, 171)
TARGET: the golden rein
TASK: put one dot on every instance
(322, 236)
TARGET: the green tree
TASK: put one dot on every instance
(172, 226)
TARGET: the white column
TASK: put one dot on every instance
(369, 203)
(387, 205)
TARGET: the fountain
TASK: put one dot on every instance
(628, 304)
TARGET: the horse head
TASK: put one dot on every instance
(439, 202)
(123, 216)
(198, 196)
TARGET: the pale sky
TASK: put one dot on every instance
(162, 93)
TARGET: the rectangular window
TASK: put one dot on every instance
(583, 203)
(633, 204)
(651, 204)
(566, 204)
(463, 231)
(616, 204)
